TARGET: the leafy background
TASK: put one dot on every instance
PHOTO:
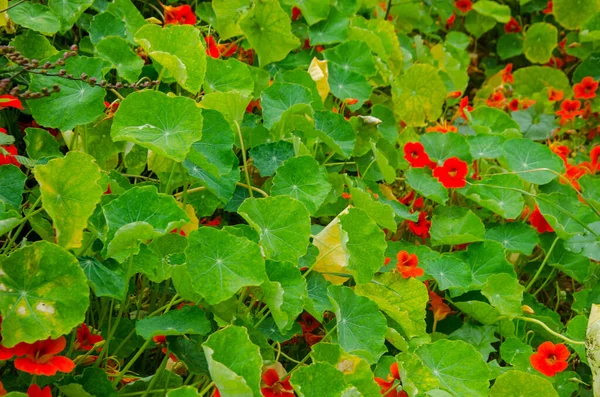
(251, 161)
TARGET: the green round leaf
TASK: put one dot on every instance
(533, 162)
(268, 29)
(517, 383)
(228, 75)
(459, 367)
(143, 205)
(284, 293)
(189, 320)
(68, 11)
(117, 51)
(312, 10)
(336, 132)
(540, 41)
(36, 17)
(303, 179)
(281, 99)
(440, 146)
(505, 293)
(311, 380)
(283, 224)
(221, 263)
(499, 12)
(70, 192)
(33, 46)
(234, 362)
(167, 125)
(533, 79)
(419, 95)
(426, 185)
(105, 278)
(76, 103)
(573, 13)
(360, 325)
(354, 56)
(403, 300)
(12, 185)
(43, 293)
(177, 48)
(515, 237)
(455, 225)
(269, 156)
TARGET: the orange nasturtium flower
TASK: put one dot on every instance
(550, 359)
(586, 89)
(507, 76)
(275, 383)
(182, 15)
(41, 357)
(569, 109)
(407, 265)
(389, 385)
(537, 220)
(438, 307)
(555, 95)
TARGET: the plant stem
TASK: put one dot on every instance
(539, 271)
(244, 159)
(543, 325)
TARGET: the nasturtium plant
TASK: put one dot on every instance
(299, 198)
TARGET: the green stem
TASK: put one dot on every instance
(543, 325)
(131, 362)
(244, 159)
(548, 279)
(162, 367)
(207, 388)
(539, 271)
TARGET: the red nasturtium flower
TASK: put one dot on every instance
(555, 95)
(350, 101)
(586, 89)
(549, 8)
(41, 357)
(464, 6)
(9, 101)
(182, 15)
(550, 359)
(496, 100)
(450, 21)
(296, 13)
(211, 47)
(455, 94)
(464, 105)
(227, 49)
(388, 386)
(275, 383)
(308, 323)
(452, 173)
(346, 196)
(561, 150)
(421, 227)
(407, 265)
(569, 109)
(36, 391)
(507, 76)
(2, 390)
(537, 220)
(85, 339)
(414, 153)
(11, 150)
(512, 26)
(513, 105)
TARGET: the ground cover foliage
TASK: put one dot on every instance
(299, 197)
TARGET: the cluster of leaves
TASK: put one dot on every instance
(299, 197)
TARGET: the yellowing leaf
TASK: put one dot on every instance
(592, 345)
(193, 223)
(319, 73)
(3, 6)
(332, 257)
